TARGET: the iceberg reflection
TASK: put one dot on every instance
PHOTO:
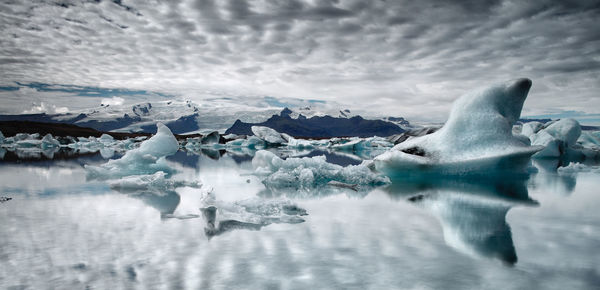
(472, 212)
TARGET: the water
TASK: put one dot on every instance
(60, 231)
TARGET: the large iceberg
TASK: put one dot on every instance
(476, 138)
(149, 158)
(310, 172)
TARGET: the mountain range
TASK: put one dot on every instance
(187, 117)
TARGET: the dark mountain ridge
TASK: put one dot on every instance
(320, 126)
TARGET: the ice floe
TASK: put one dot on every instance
(156, 183)
(310, 172)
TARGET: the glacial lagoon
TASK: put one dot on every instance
(60, 229)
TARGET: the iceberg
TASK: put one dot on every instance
(251, 142)
(556, 138)
(211, 138)
(563, 139)
(575, 167)
(49, 142)
(149, 158)
(476, 138)
(156, 183)
(267, 134)
(248, 214)
(298, 143)
(531, 128)
(590, 139)
(310, 172)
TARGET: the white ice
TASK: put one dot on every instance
(310, 172)
(575, 167)
(49, 142)
(590, 139)
(257, 211)
(556, 138)
(149, 158)
(267, 134)
(156, 183)
(476, 138)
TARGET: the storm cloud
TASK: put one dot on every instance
(402, 58)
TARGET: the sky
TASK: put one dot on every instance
(398, 58)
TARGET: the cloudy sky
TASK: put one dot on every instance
(402, 58)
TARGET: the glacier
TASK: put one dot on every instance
(476, 138)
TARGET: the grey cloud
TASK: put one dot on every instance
(411, 52)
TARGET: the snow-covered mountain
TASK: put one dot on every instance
(184, 116)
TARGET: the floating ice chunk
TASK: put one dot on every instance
(351, 145)
(248, 214)
(28, 143)
(590, 139)
(251, 142)
(575, 167)
(557, 138)
(147, 159)
(106, 140)
(1, 137)
(157, 183)
(551, 145)
(231, 136)
(530, 128)
(310, 172)
(48, 142)
(107, 152)
(211, 138)
(298, 143)
(359, 144)
(565, 130)
(476, 138)
(268, 134)
(22, 136)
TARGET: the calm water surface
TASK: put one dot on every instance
(61, 231)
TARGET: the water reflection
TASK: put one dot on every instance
(472, 212)
(165, 204)
(214, 229)
(549, 180)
